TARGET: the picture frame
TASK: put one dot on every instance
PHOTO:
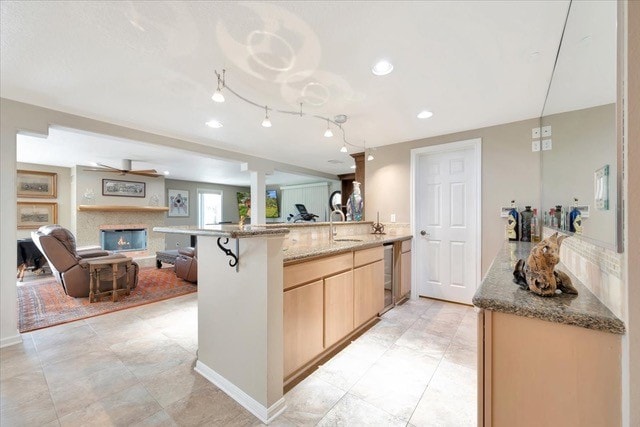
(36, 184)
(33, 215)
(120, 188)
(178, 203)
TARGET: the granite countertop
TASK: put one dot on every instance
(303, 224)
(302, 250)
(229, 231)
(498, 292)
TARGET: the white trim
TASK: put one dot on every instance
(264, 414)
(476, 144)
(6, 342)
(315, 184)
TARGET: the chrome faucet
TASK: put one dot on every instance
(332, 229)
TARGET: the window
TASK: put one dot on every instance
(209, 207)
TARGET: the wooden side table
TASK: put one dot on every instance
(96, 266)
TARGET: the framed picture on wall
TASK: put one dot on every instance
(37, 184)
(116, 187)
(178, 202)
(36, 214)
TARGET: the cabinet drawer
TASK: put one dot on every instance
(304, 272)
(367, 256)
(406, 245)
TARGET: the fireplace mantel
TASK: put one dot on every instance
(121, 208)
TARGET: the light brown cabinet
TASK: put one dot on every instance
(368, 285)
(303, 325)
(533, 372)
(338, 307)
(405, 274)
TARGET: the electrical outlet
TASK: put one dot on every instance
(546, 131)
(546, 144)
(535, 133)
(393, 217)
(535, 145)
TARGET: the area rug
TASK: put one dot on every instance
(45, 304)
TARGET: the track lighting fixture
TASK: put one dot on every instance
(328, 133)
(266, 122)
(370, 157)
(217, 95)
(338, 120)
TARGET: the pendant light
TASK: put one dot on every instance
(344, 148)
(328, 133)
(266, 122)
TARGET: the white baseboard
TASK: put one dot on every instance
(6, 342)
(264, 414)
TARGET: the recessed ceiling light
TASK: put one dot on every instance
(214, 124)
(382, 68)
(424, 114)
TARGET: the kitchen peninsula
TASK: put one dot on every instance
(273, 300)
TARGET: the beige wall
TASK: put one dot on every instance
(631, 341)
(510, 170)
(89, 180)
(229, 207)
(63, 198)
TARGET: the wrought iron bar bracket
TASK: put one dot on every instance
(235, 258)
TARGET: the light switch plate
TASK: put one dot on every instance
(547, 144)
(535, 145)
(546, 131)
(535, 133)
(393, 217)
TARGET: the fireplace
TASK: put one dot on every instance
(121, 240)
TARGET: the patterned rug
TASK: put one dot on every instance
(45, 304)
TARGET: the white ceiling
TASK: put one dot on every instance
(149, 65)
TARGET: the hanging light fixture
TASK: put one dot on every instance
(217, 95)
(266, 122)
(344, 148)
(328, 133)
(370, 156)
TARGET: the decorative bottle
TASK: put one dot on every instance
(558, 217)
(355, 203)
(513, 222)
(525, 219)
(575, 218)
(535, 227)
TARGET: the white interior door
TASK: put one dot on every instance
(447, 203)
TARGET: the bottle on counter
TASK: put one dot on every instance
(558, 216)
(575, 218)
(513, 223)
(535, 227)
(525, 218)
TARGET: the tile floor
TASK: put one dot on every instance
(416, 367)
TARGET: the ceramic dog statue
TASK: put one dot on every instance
(538, 274)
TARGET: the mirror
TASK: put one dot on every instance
(335, 201)
(579, 126)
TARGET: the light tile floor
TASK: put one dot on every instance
(416, 367)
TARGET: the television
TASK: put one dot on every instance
(244, 204)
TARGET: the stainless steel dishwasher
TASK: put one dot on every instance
(389, 282)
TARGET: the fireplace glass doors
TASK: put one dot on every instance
(124, 240)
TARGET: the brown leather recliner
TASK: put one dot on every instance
(69, 266)
(186, 265)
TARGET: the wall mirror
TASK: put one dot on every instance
(579, 126)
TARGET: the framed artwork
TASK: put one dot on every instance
(36, 214)
(37, 184)
(601, 188)
(116, 187)
(178, 202)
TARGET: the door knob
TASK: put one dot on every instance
(424, 233)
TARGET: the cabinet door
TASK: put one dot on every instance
(405, 273)
(368, 282)
(338, 307)
(303, 311)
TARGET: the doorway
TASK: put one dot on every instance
(446, 217)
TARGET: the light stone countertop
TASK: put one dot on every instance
(307, 249)
(231, 231)
(498, 292)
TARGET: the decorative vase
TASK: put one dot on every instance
(513, 222)
(525, 217)
(355, 203)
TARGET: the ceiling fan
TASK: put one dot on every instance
(126, 169)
